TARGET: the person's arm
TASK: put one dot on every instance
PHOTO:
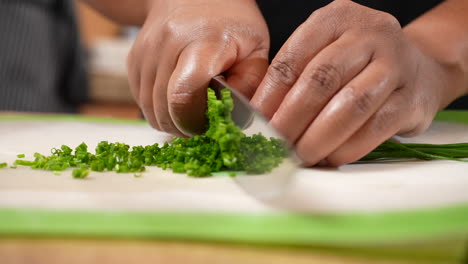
(130, 12)
(442, 34)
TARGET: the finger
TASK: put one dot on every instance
(142, 72)
(133, 74)
(159, 93)
(133, 71)
(332, 68)
(133, 63)
(246, 75)
(147, 79)
(197, 64)
(384, 124)
(291, 60)
(347, 111)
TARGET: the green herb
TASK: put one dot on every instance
(20, 156)
(224, 147)
(3, 165)
(391, 150)
(80, 173)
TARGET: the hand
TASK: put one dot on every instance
(347, 80)
(184, 43)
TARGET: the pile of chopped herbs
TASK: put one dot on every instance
(223, 147)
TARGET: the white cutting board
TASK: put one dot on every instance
(351, 188)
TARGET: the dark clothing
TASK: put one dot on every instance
(283, 17)
(41, 67)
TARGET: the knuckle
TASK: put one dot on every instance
(384, 120)
(386, 23)
(166, 126)
(227, 38)
(337, 7)
(148, 43)
(363, 101)
(283, 72)
(325, 17)
(325, 77)
(146, 108)
(146, 104)
(178, 100)
(149, 116)
(389, 20)
(181, 98)
(342, 4)
(170, 27)
(318, 14)
(331, 15)
(417, 129)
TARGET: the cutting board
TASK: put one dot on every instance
(356, 202)
(356, 187)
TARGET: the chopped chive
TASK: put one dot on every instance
(80, 173)
(20, 156)
(224, 147)
(3, 165)
(25, 162)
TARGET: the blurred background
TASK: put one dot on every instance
(106, 45)
(60, 56)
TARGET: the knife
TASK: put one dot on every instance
(268, 186)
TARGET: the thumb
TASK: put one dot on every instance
(186, 96)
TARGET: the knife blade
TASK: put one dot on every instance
(268, 186)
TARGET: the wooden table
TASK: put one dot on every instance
(86, 251)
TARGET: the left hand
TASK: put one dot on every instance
(347, 80)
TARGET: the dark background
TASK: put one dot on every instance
(283, 17)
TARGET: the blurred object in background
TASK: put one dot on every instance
(107, 47)
(107, 71)
(93, 26)
(41, 61)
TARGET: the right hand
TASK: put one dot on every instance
(182, 45)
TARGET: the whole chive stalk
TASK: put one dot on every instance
(390, 151)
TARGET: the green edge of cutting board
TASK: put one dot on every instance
(355, 230)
